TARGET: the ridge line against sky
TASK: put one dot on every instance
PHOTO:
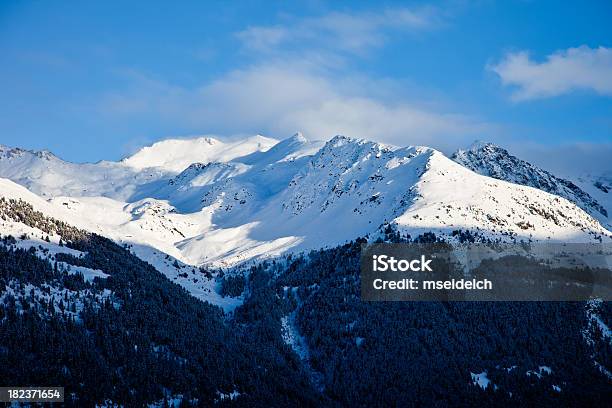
(97, 81)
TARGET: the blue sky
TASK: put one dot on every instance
(96, 80)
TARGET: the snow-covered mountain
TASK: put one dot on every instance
(493, 161)
(49, 176)
(48, 245)
(205, 202)
(176, 154)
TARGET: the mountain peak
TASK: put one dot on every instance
(10, 152)
(480, 145)
(7, 151)
(296, 140)
(175, 155)
(340, 140)
(259, 197)
(298, 137)
(491, 160)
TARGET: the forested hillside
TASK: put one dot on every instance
(131, 338)
(302, 337)
(433, 353)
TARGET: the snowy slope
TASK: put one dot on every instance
(239, 203)
(133, 225)
(495, 206)
(136, 176)
(493, 161)
(350, 187)
(174, 155)
(46, 245)
(598, 186)
(47, 175)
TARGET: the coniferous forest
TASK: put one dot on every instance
(303, 337)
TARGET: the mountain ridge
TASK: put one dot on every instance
(288, 197)
(494, 161)
(294, 196)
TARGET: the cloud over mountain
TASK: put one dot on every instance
(282, 98)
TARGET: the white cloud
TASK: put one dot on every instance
(304, 81)
(581, 68)
(350, 32)
(263, 38)
(280, 99)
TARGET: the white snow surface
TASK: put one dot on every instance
(206, 202)
(176, 154)
(292, 337)
(539, 372)
(592, 193)
(599, 186)
(481, 379)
